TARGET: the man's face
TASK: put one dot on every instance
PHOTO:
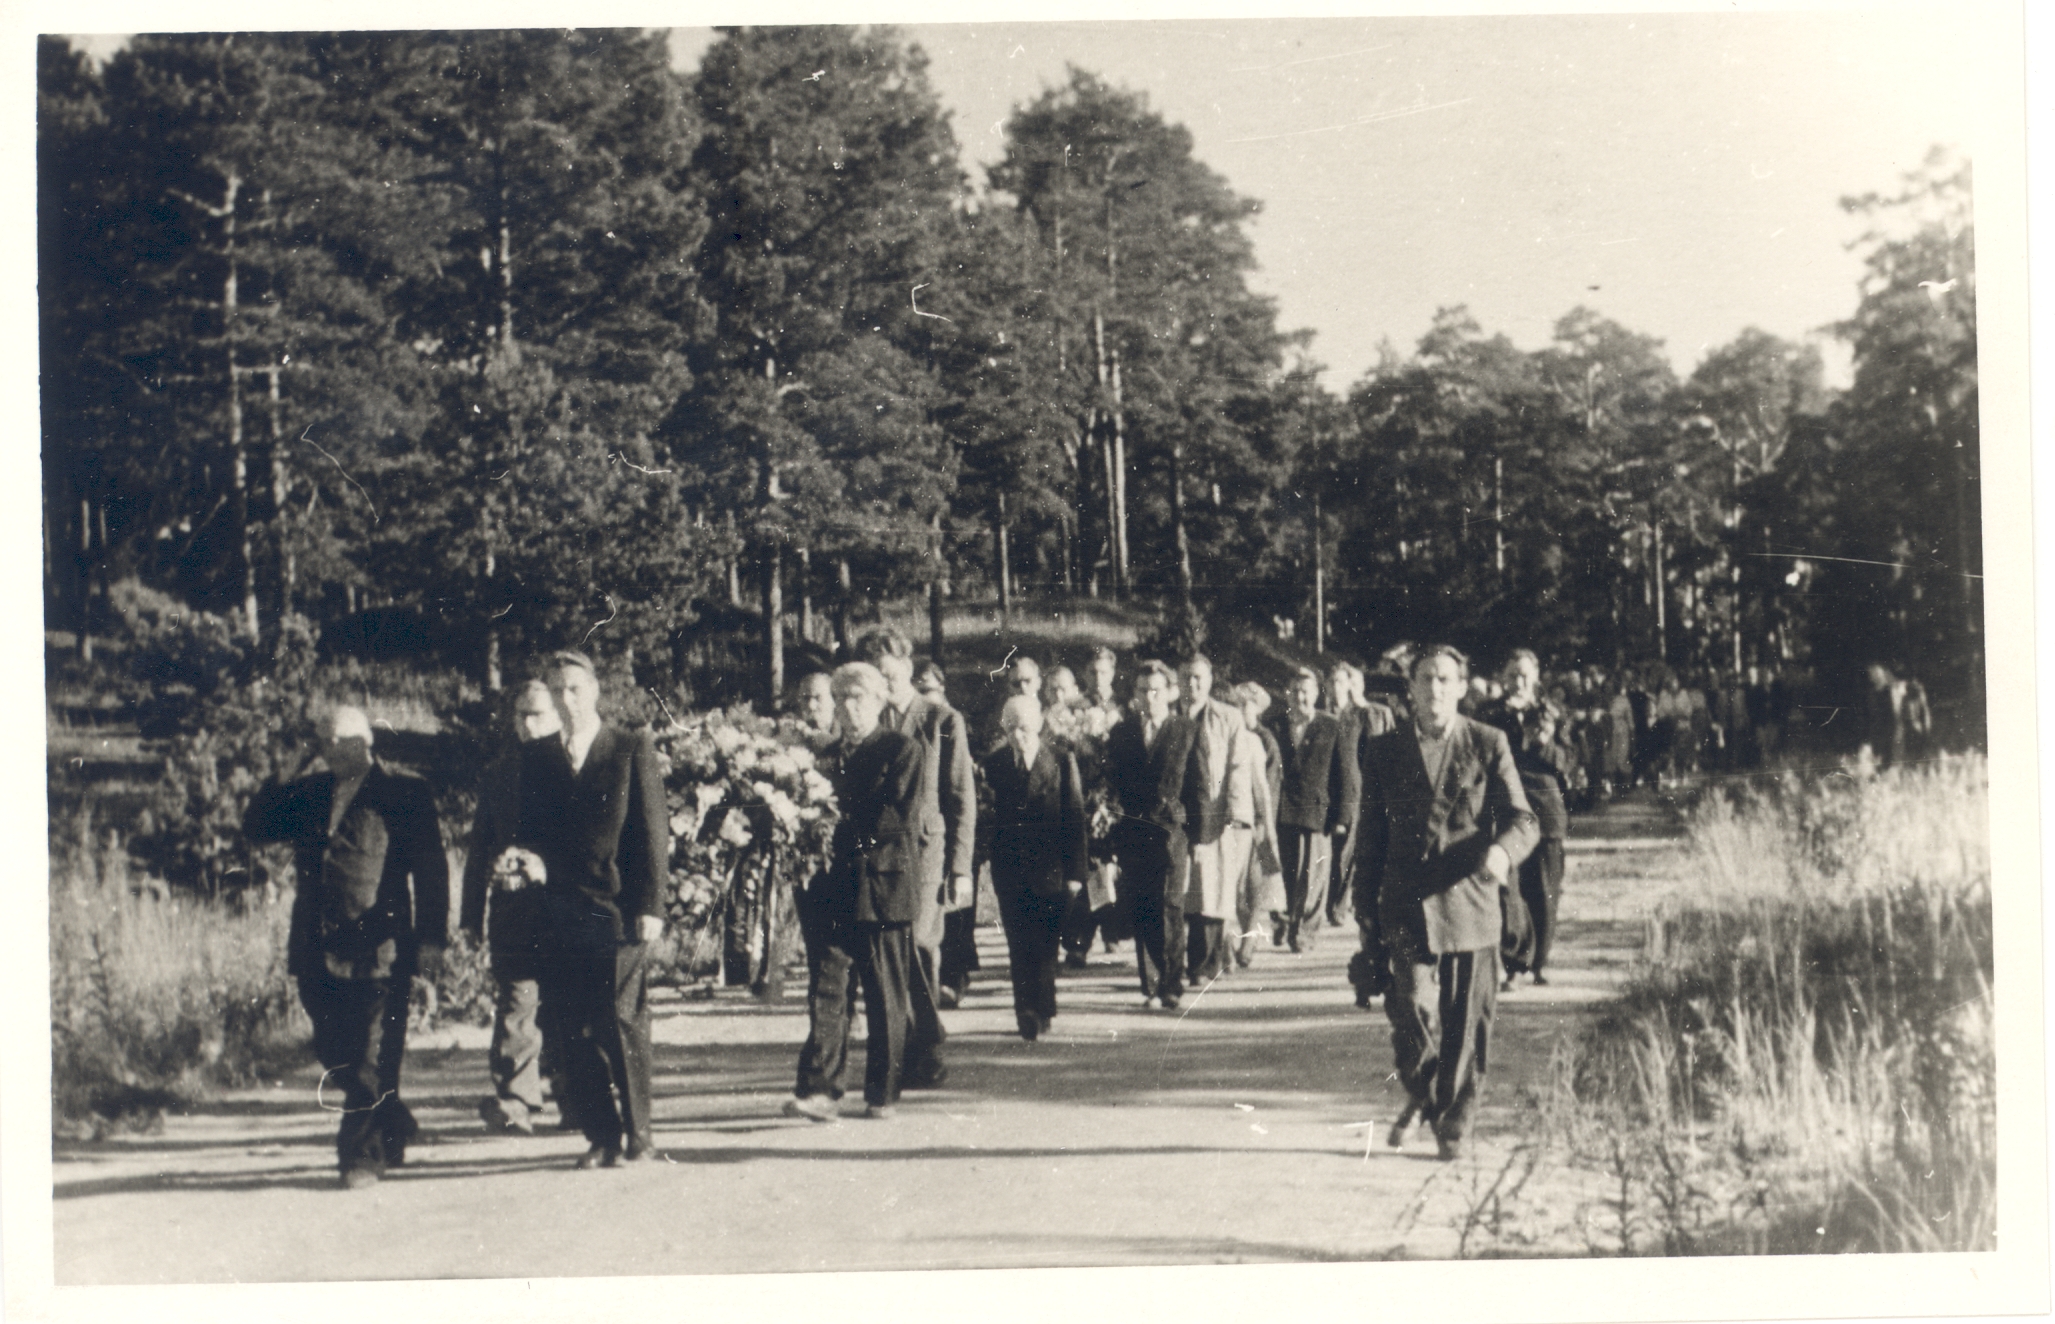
(1064, 688)
(1025, 734)
(1198, 682)
(817, 706)
(346, 744)
(575, 692)
(898, 673)
(1305, 695)
(1102, 673)
(1340, 688)
(535, 716)
(1523, 678)
(1437, 687)
(1154, 692)
(1025, 680)
(858, 711)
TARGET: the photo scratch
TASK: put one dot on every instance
(306, 437)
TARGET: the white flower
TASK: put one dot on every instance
(735, 829)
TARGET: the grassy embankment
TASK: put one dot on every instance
(1806, 1064)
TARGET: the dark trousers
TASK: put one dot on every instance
(925, 1034)
(1205, 945)
(959, 947)
(1341, 878)
(1033, 924)
(1440, 1010)
(1541, 887)
(360, 1035)
(1153, 861)
(596, 1001)
(1307, 857)
(1081, 923)
(842, 956)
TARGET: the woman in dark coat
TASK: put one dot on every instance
(1040, 852)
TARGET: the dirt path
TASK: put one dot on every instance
(1229, 1132)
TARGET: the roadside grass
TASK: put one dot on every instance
(1806, 1062)
(156, 999)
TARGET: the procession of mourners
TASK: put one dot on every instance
(1419, 807)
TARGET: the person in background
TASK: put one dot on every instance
(1095, 722)
(1358, 720)
(1039, 852)
(1105, 670)
(943, 840)
(862, 907)
(1444, 825)
(1063, 707)
(593, 800)
(931, 681)
(1533, 727)
(1262, 886)
(1024, 676)
(1147, 757)
(1220, 817)
(370, 911)
(1320, 784)
(500, 870)
(815, 704)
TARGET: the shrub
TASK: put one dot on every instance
(1807, 1061)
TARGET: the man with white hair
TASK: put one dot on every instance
(500, 869)
(370, 911)
(1040, 851)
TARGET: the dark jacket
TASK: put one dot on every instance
(1038, 840)
(1322, 783)
(947, 826)
(602, 832)
(1358, 726)
(517, 916)
(1149, 781)
(873, 874)
(1422, 847)
(375, 933)
(1544, 764)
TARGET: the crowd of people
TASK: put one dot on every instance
(1418, 808)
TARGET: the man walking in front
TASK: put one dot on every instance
(1147, 757)
(943, 840)
(359, 932)
(860, 910)
(594, 800)
(1444, 824)
(501, 870)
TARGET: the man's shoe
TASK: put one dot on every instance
(880, 1112)
(1170, 1002)
(929, 1077)
(1540, 978)
(947, 998)
(1030, 1027)
(1448, 1148)
(499, 1117)
(1152, 1004)
(599, 1156)
(813, 1107)
(1396, 1137)
(1074, 960)
(356, 1179)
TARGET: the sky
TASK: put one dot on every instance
(1677, 173)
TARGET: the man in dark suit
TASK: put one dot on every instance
(1444, 824)
(359, 932)
(500, 868)
(1318, 795)
(1040, 851)
(860, 910)
(1358, 720)
(943, 839)
(594, 801)
(1148, 756)
(1534, 726)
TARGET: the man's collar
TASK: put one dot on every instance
(1420, 729)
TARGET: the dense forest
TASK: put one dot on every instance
(529, 338)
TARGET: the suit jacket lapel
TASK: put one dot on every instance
(1041, 773)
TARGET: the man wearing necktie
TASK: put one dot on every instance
(1444, 824)
(1040, 851)
(1148, 755)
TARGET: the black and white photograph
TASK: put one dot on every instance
(1121, 640)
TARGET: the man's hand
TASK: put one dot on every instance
(429, 962)
(648, 928)
(1074, 886)
(956, 890)
(1497, 864)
